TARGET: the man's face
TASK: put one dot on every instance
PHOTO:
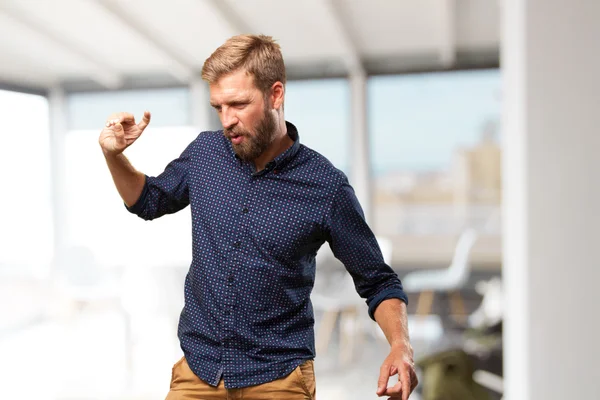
(245, 114)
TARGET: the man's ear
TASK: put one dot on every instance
(277, 95)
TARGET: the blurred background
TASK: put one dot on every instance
(406, 97)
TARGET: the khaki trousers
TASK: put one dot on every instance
(299, 385)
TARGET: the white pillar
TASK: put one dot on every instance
(202, 117)
(551, 66)
(58, 131)
(360, 168)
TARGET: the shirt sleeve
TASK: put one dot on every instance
(166, 193)
(354, 244)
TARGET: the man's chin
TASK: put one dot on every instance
(243, 154)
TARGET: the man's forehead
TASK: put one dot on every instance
(237, 84)
(228, 96)
(239, 79)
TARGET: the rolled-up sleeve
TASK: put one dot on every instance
(166, 193)
(354, 244)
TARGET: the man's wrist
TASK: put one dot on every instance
(111, 155)
(402, 343)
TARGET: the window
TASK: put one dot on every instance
(26, 227)
(320, 111)
(96, 215)
(169, 106)
(435, 155)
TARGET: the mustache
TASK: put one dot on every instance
(234, 132)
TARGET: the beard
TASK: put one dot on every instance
(254, 145)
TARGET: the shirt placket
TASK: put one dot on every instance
(238, 244)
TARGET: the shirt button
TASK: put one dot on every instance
(245, 211)
(227, 312)
(237, 245)
(230, 279)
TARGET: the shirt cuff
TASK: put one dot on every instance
(138, 207)
(392, 293)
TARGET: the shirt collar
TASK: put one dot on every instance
(287, 155)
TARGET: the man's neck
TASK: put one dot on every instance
(281, 143)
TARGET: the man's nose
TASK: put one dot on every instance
(228, 118)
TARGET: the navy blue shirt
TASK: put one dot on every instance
(248, 317)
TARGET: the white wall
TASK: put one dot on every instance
(551, 62)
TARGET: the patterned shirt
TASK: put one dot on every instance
(247, 316)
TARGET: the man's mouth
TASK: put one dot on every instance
(236, 139)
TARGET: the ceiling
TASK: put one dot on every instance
(111, 44)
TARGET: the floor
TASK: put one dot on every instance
(84, 359)
(81, 355)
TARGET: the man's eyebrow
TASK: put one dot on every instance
(241, 100)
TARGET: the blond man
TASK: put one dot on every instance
(262, 204)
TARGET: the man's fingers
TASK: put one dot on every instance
(119, 134)
(395, 391)
(405, 382)
(384, 376)
(145, 120)
(120, 117)
(414, 380)
(403, 388)
(126, 118)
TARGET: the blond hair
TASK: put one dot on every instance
(258, 55)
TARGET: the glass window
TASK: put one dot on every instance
(26, 227)
(95, 211)
(435, 160)
(169, 106)
(97, 217)
(320, 111)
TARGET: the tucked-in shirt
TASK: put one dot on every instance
(247, 316)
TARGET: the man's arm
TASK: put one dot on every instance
(127, 179)
(392, 319)
(147, 197)
(120, 132)
(354, 244)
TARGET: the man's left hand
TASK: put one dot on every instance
(400, 361)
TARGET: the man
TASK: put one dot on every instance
(262, 205)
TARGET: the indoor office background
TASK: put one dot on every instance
(442, 144)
